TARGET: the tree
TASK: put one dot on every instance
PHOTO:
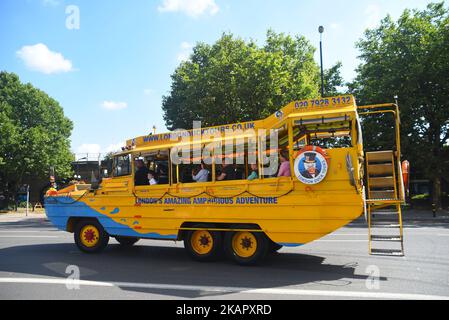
(34, 134)
(333, 81)
(410, 58)
(233, 80)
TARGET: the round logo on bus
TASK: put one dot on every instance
(310, 167)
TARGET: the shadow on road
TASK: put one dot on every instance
(34, 223)
(408, 222)
(171, 265)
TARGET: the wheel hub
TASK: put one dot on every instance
(244, 244)
(202, 242)
(90, 236)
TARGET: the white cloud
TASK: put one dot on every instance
(113, 105)
(186, 50)
(91, 151)
(148, 92)
(39, 58)
(114, 147)
(89, 148)
(193, 8)
(372, 16)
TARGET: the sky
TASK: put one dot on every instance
(108, 62)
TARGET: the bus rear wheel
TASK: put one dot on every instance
(275, 247)
(203, 245)
(126, 241)
(246, 247)
(90, 236)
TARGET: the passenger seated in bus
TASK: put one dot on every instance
(227, 171)
(240, 172)
(254, 172)
(141, 174)
(162, 173)
(152, 177)
(284, 168)
(201, 175)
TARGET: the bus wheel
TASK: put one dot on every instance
(275, 247)
(245, 247)
(126, 241)
(203, 245)
(90, 236)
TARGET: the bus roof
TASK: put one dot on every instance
(303, 109)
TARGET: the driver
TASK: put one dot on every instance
(141, 175)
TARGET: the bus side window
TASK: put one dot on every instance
(157, 163)
(189, 170)
(122, 165)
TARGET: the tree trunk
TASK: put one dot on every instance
(436, 193)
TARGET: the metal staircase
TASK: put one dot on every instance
(384, 203)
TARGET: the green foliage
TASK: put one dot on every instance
(235, 80)
(409, 58)
(34, 133)
(333, 81)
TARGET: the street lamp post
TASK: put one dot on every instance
(321, 30)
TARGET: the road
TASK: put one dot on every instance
(36, 260)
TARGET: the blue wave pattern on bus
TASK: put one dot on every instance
(61, 209)
(285, 244)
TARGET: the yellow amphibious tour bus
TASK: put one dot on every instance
(244, 189)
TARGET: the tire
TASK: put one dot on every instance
(275, 247)
(90, 236)
(203, 245)
(126, 241)
(246, 247)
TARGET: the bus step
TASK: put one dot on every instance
(385, 212)
(382, 195)
(394, 238)
(387, 252)
(383, 169)
(384, 224)
(381, 182)
(379, 156)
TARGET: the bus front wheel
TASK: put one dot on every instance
(246, 247)
(90, 236)
(203, 245)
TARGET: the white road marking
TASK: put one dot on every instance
(339, 240)
(27, 231)
(348, 234)
(30, 237)
(272, 291)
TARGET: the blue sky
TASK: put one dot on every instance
(110, 71)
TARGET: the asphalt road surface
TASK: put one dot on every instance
(39, 262)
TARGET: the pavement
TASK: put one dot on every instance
(39, 262)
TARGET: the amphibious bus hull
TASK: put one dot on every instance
(291, 220)
(287, 211)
